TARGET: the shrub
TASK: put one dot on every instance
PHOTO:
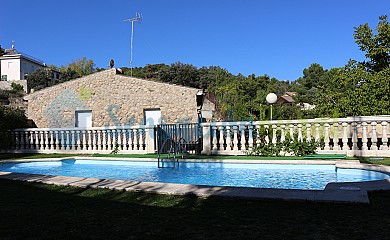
(291, 145)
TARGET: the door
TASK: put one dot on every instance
(152, 117)
(84, 119)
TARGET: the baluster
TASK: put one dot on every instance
(283, 132)
(300, 132)
(143, 138)
(235, 138)
(46, 140)
(221, 138)
(130, 141)
(41, 140)
(384, 136)
(354, 136)
(374, 137)
(109, 142)
(51, 140)
(56, 140)
(250, 137)
(74, 139)
(242, 138)
(122, 139)
(15, 136)
(84, 139)
(32, 140)
(258, 137)
(126, 138)
(79, 137)
(266, 137)
(21, 140)
(274, 126)
(37, 140)
(63, 143)
(336, 145)
(364, 136)
(308, 132)
(68, 140)
(345, 136)
(317, 127)
(228, 139)
(100, 142)
(326, 137)
(292, 131)
(91, 138)
(214, 140)
(138, 138)
(113, 139)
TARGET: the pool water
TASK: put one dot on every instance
(286, 176)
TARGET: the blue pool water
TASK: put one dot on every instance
(213, 174)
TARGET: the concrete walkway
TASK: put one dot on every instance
(334, 192)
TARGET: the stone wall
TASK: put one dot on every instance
(114, 100)
(7, 84)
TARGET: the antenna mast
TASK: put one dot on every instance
(137, 18)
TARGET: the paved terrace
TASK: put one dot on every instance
(355, 192)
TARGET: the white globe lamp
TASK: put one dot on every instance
(271, 99)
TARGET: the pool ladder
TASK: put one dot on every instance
(173, 149)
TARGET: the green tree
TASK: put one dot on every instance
(39, 79)
(80, 66)
(376, 46)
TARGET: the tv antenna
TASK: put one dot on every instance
(137, 18)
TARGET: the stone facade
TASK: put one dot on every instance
(114, 100)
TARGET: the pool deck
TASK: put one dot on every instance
(354, 192)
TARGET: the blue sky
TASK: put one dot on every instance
(278, 38)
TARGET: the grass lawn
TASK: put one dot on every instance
(39, 211)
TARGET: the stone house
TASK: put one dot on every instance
(108, 98)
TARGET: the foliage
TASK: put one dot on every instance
(116, 149)
(17, 88)
(39, 79)
(376, 47)
(10, 119)
(80, 66)
(291, 145)
(353, 91)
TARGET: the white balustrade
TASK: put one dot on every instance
(130, 139)
(353, 136)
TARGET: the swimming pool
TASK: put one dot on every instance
(283, 176)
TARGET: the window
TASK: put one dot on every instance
(84, 119)
(3, 77)
(152, 116)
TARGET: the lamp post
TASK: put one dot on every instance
(271, 99)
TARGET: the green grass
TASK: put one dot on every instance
(376, 160)
(39, 211)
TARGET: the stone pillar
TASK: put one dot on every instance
(149, 139)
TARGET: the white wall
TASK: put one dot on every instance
(15, 67)
(11, 68)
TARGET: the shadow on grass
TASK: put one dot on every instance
(33, 210)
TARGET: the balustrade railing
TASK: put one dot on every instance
(353, 136)
(123, 139)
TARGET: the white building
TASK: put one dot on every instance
(15, 66)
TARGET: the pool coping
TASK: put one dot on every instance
(352, 192)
